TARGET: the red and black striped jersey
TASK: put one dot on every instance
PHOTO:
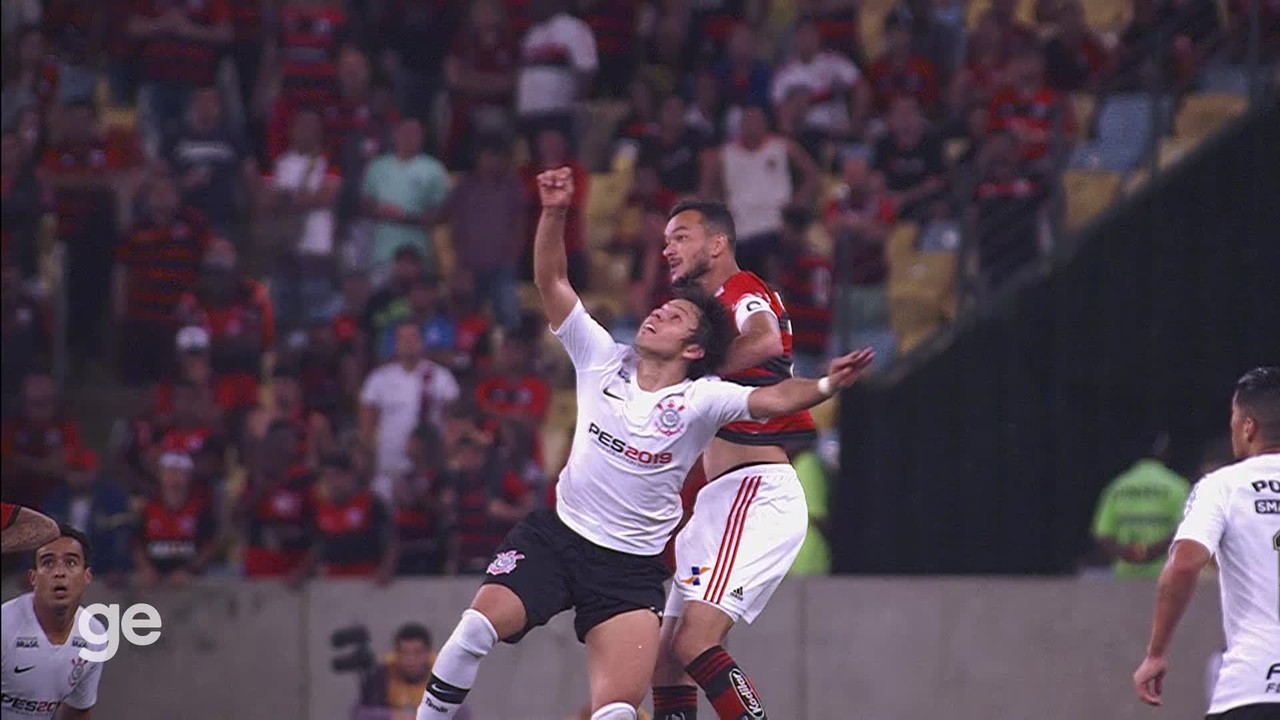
(745, 294)
(806, 284)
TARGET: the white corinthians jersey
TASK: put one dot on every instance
(1235, 513)
(39, 677)
(632, 449)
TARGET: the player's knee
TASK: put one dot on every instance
(475, 634)
(691, 641)
(615, 711)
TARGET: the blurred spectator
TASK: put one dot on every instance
(158, 264)
(289, 404)
(196, 423)
(387, 303)
(354, 535)
(937, 31)
(419, 511)
(24, 205)
(641, 120)
(95, 505)
(330, 372)
(74, 32)
(488, 212)
(30, 129)
(837, 23)
(37, 442)
(902, 71)
(557, 61)
(613, 24)
(1240, 28)
(1006, 216)
(25, 333)
(302, 56)
(357, 120)
(1075, 58)
(471, 346)
(984, 70)
(480, 73)
(553, 152)
(1013, 36)
(710, 23)
(403, 192)
(754, 175)
(33, 83)
(1137, 515)
(176, 531)
(514, 391)
(814, 558)
(179, 45)
(426, 308)
(839, 99)
(417, 35)
(675, 150)
(805, 280)
(277, 504)
(92, 173)
(1038, 116)
(909, 157)
(488, 500)
(744, 78)
(650, 276)
(396, 398)
(400, 680)
(236, 312)
(859, 219)
(1216, 454)
(210, 163)
(248, 33)
(707, 113)
(298, 224)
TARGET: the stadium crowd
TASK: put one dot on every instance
(297, 230)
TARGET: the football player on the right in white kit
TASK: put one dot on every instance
(1233, 514)
(42, 675)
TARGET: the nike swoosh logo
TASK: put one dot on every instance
(17, 669)
(615, 397)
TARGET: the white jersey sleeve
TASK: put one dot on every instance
(1205, 517)
(723, 402)
(749, 305)
(589, 345)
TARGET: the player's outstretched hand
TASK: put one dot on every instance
(1148, 680)
(846, 369)
(555, 187)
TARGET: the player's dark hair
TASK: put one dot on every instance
(713, 333)
(716, 217)
(413, 631)
(65, 530)
(1258, 395)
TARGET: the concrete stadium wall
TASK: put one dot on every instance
(826, 649)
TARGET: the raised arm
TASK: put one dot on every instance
(27, 530)
(796, 394)
(550, 262)
(760, 340)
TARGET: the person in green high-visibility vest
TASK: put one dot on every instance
(1137, 515)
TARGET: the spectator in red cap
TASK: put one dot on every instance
(98, 507)
(176, 532)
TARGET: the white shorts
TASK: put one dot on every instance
(746, 530)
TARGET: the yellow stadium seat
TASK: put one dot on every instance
(872, 22)
(1088, 193)
(1107, 15)
(1172, 151)
(1202, 115)
(921, 288)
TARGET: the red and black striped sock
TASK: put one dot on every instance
(727, 687)
(675, 702)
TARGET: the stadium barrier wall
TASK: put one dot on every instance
(826, 649)
(984, 452)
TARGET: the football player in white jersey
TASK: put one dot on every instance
(645, 412)
(43, 675)
(1233, 514)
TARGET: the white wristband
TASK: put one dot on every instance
(824, 386)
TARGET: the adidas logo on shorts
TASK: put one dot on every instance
(736, 593)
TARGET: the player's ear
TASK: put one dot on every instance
(693, 351)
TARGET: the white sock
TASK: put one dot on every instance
(615, 711)
(456, 666)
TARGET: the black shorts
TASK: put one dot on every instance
(1258, 711)
(551, 569)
